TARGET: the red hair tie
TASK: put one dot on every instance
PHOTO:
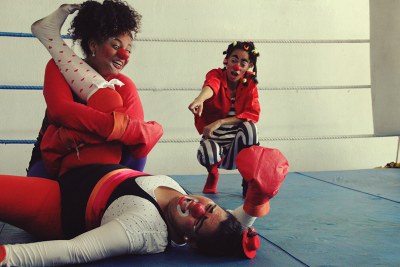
(250, 242)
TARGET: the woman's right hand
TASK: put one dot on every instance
(196, 107)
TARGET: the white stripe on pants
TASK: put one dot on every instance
(215, 149)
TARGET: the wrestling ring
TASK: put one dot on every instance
(319, 218)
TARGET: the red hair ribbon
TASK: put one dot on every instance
(250, 242)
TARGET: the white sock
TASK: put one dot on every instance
(81, 77)
(245, 219)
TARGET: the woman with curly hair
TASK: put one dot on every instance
(226, 112)
(99, 208)
(70, 129)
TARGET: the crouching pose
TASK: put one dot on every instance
(226, 112)
(109, 210)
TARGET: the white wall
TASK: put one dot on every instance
(385, 65)
(314, 74)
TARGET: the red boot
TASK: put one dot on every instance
(212, 180)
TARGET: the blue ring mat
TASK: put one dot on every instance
(333, 218)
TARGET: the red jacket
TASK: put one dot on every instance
(217, 107)
(95, 125)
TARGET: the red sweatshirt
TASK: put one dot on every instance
(217, 107)
(95, 125)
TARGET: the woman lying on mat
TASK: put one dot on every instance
(93, 111)
(109, 210)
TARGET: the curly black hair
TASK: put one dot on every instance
(98, 22)
(226, 241)
(250, 48)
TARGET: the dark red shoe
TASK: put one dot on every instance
(212, 180)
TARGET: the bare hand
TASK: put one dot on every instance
(209, 129)
(196, 107)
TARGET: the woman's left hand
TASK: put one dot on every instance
(209, 129)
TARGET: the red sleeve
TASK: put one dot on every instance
(213, 80)
(251, 111)
(130, 96)
(62, 110)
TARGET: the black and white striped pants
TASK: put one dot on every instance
(226, 143)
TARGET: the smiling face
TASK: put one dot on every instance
(237, 65)
(106, 59)
(194, 215)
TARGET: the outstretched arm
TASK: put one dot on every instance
(196, 107)
(103, 242)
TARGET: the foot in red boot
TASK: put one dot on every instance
(212, 180)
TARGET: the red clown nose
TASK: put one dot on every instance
(123, 54)
(236, 67)
(198, 210)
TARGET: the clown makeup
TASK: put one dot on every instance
(243, 62)
(237, 65)
(122, 53)
(199, 222)
(190, 206)
(111, 56)
(196, 215)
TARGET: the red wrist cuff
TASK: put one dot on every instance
(120, 123)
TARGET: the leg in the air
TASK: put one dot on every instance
(80, 76)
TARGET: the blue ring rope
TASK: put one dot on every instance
(13, 142)
(20, 87)
(30, 35)
(180, 40)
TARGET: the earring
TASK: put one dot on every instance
(93, 54)
(186, 239)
